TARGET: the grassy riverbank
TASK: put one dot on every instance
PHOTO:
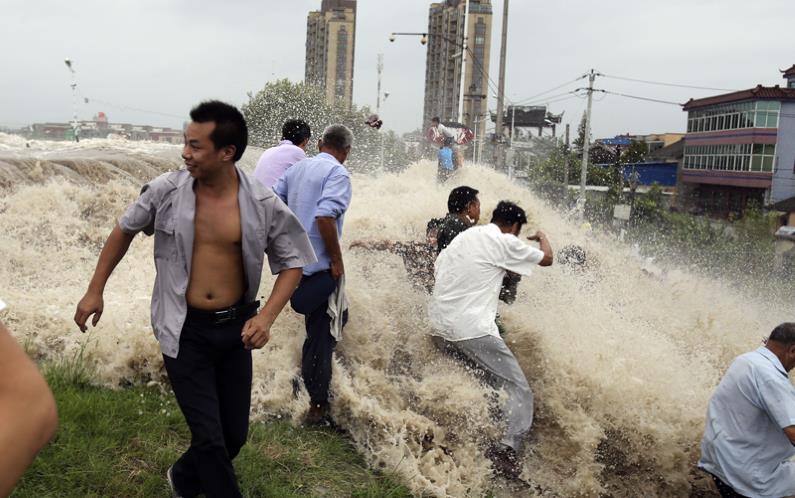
(119, 443)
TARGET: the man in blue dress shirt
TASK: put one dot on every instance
(750, 428)
(318, 190)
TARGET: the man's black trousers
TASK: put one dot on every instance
(211, 379)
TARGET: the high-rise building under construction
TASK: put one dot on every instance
(330, 40)
(443, 65)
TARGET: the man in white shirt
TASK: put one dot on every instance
(440, 131)
(292, 148)
(750, 428)
(469, 274)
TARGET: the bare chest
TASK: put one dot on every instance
(217, 221)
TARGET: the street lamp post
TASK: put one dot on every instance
(464, 49)
(75, 127)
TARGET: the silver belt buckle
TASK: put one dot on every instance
(226, 315)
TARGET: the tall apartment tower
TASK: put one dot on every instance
(330, 40)
(443, 63)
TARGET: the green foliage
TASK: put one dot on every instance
(552, 168)
(281, 100)
(599, 154)
(741, 249)
(614, 181)
(120, 443)
(649, 208)
(636, 152)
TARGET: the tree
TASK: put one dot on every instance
(636, 152)
(281, 100)
(600, 154)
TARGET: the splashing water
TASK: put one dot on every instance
(622, 363)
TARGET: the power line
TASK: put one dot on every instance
(126, 107)
(562, 99)
(545, 99)
(660, 83)
(649, 99)
(550, 90)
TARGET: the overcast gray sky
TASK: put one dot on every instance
(166, 55)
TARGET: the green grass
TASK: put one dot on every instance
(119, 443)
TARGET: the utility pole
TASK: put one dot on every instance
(566, 164)
(585, 146)
(501, 85)
(482, 137)
(464, 48)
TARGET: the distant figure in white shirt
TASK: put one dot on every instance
(469, 274)
(274, 162)
(749, 435)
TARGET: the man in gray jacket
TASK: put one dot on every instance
(212, 226)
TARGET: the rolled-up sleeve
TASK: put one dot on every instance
(140, 216)
(288, 244)
(519, 257)
(336, 196)
(778, 397)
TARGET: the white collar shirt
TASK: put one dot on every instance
(744, 442)
(469, 274)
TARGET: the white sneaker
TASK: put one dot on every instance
(170, 480)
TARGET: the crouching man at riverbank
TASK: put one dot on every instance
(469, 274)
(750, 428)
(212, 226)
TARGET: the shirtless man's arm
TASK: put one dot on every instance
(112, 253)
(257, 331)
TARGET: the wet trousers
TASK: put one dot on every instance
(311, 300)
(724, 489)
(491, 356)
(211, 379)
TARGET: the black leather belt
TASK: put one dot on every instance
(224, 315)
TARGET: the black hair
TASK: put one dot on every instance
(296, 131)
(507, 213)
(230, 125)
(435, 118)
(460, 197)
(784, 333)
(434, 224)
(448, 141)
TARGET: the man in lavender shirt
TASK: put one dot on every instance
(291, 149)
